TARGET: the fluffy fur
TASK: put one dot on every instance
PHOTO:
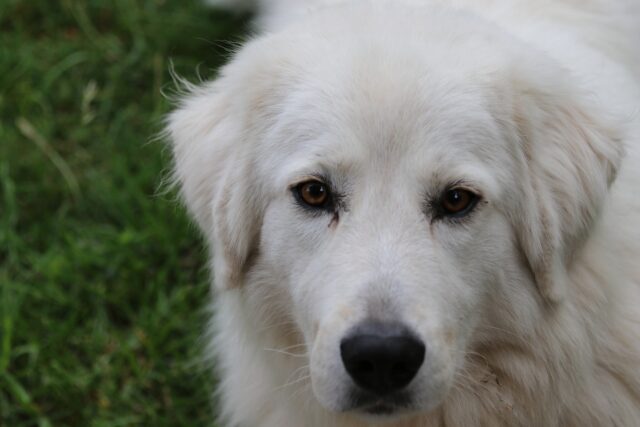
(529, 307)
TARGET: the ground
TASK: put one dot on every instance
(103, 284)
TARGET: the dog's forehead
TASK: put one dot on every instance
(408, 122)
(372, 103)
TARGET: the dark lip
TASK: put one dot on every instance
(380, 408)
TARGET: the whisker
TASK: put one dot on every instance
(276, 325)
(290, 383)
(301, 389)
(294, 346)
(286, 353)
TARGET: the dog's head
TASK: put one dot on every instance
(393, 194)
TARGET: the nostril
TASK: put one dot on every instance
(382, 357)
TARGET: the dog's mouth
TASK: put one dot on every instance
(389, 405)
(380, 408)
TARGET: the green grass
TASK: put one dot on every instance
(103, 283)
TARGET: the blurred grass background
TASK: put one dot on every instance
(102, 281)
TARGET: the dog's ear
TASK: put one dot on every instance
(215, 176)
(572, 157)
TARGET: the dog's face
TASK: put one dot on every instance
(386, 226)
(388, 197)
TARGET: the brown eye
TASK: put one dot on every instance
(457, 202)
(313, 193)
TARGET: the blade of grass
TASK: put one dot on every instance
(30, 132)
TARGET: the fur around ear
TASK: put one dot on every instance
(215, 178)
(572, 158)
(214, 132)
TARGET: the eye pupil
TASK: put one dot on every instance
(313, 193)
(315, 190)
(457, 201)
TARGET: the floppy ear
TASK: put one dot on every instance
(572, 158)
(215, 175)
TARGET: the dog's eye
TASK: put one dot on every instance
(313, 193)
(458, 202)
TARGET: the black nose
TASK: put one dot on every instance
(382, 357)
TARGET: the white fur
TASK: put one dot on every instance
(530, 308)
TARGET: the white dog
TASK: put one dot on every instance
(423, 213)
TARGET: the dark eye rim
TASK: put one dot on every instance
(296, 190)
(476, 197)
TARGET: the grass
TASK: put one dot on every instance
(102, 281)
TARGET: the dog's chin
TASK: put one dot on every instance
(370, 408)
(384, 410)
(382, 414)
